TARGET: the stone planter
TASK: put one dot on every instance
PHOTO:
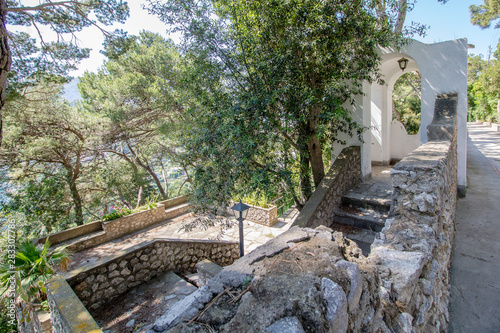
(264, 216)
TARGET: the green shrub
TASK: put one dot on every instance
(30, 268)
(116, 212)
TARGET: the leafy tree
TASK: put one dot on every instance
(483, 89)
(407, 100)
(271, 81)
(138, 90)
(26, 60)
(43, 204)
(45, 136)
(484, 15)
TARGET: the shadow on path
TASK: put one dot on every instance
(475, 266)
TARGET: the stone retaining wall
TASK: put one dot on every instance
(265, 216)
(111, 276)
(344, 174)
(98, 232)
(67, 313)
(416, 245)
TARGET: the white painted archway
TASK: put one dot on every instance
(443, 68)
(389, 140)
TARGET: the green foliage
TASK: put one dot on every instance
(267, 81)
(46, 136)
(41, 205)
(483, 89)
(485, 14)
(256, 200)
(116, 212)
(36, 58)
(7, 323)
(138, 92)
(30, 268)
(407, 100)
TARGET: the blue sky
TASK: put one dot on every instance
(446, 22)
(452, 21)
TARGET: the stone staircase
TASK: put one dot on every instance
(365, 208)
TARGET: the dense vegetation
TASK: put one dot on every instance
(245, 107)
(406, 97)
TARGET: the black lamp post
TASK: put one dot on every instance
(403, 62)
(239, 209)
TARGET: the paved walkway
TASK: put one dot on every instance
(254, 235)
(475, 266)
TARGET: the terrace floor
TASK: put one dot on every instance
(254, 235)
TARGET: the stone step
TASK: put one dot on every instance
(364, 218)
(177, 210)
(364, 238)
(379, 203)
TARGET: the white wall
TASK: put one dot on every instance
(402, 143)
(443, 67)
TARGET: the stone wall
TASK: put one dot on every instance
(67, 313)
(98, 232)
(343, 175)
(111, 276)
(265, 216)
(416, 244)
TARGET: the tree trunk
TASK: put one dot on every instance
(305, 177)
(146, 167)
(5, 60)
(316, 159)
(314, 145)
(77, 200)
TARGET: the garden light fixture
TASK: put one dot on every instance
(240, 213)
(403, 62)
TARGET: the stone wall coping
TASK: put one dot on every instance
(122, 253)
(74, 315)
(271, 207)
(71, 233)
(308, 211)
(174, 201)
(425, 157)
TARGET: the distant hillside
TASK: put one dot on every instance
(71, 92)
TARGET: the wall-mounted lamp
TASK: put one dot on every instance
(403, 62)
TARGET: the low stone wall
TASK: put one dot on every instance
(68, 234)
(133, 222)
(265, 216)
(98, 232)
(111, 276)
(67, 313)
(344, 174)
(416, 245)
(174, 201)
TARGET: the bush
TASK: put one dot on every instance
(30, 268)
(116, 212)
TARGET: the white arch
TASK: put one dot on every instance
(443, 68)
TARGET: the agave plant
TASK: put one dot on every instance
(32, 266)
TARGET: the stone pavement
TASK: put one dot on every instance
(254, 236)
(475, 266)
